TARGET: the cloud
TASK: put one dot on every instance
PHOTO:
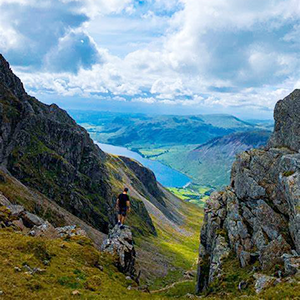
(214, 37)
(213, 53)
(38, 27)
(170, 89)
(50, 34)
(74, 51)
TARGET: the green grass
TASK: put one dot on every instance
(288, 173)
(73, 267)
(193, 194)
(150, 153)
(180, 248)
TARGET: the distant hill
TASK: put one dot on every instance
(263, 124)
(211, 162)
(139, 130)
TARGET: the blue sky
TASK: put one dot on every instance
(158, 56)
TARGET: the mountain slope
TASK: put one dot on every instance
(46, 150)
(255, 222)
(212, 161)
(51, 166)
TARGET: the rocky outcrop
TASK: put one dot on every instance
(16, 217)
(120, 244)
(8, 79)
(257, 217)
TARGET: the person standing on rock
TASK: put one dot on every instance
(123, 207)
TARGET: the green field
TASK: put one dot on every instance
(193, 194)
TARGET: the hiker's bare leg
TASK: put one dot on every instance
(119, 218)
(122, 220)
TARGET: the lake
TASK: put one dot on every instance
(165, 175)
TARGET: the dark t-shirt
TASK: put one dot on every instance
(123, 198)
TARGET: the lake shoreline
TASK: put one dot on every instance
(164, 174)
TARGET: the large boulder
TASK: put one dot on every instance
(287, 123)
(31, 220)
(120, 244)
(257, 217)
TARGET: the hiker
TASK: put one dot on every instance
(123, 206)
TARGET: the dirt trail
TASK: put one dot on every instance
(170, 286)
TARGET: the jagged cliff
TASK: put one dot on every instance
(44, 151)
(257, 218)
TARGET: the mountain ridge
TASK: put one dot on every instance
(131, 130)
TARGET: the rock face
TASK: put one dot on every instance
(257, 217)
(120, 243)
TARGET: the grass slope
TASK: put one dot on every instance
(69, 266)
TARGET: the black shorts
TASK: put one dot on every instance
(122, 211)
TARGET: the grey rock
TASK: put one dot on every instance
(46, 262)
(4, 201)
(220, 252)
(120, 243)
(263, 282)
(245, 258)
(287, 123)
(19, 225)
(69, 231)
(291, 264)
(259, 213)
(242, 285)
(247, 187)
(32, 271)
(46, 230)
(189, 274)
(16, 210)
(30, 220)
(291, 187)
(9, 79)
(272, 253)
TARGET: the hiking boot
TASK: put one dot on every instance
(122, 227)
